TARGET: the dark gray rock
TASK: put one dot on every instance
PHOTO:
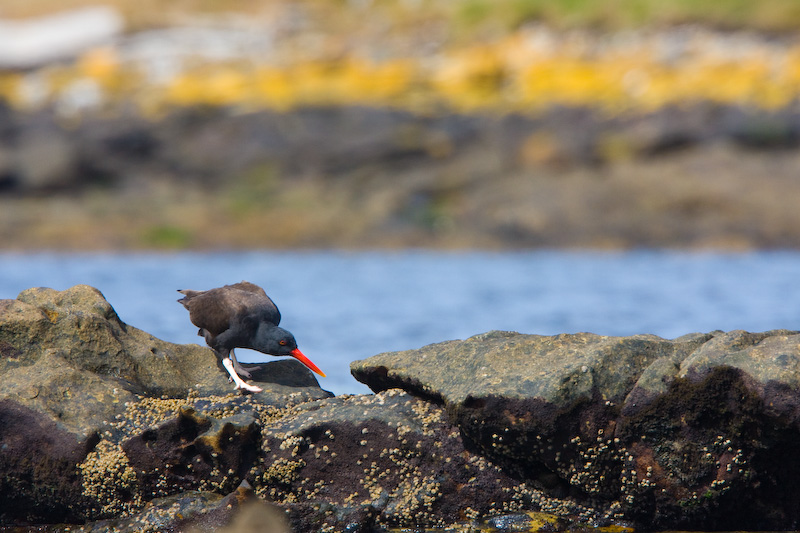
(671, 433)
(513, 394)
(208, 145)
(562, 370)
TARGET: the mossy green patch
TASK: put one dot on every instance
(166, 236)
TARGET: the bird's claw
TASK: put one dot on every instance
(249, 388)
(245, 372)
(240, 384)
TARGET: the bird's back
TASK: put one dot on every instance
(216, 310)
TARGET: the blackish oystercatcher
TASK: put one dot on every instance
(241, 316)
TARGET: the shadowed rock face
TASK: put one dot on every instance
(37, 462)
(666, 432)
(511, 393)
(192, 451)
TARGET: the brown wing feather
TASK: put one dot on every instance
(261, 305)
(248, 287)
(208, 310)
(214, 309)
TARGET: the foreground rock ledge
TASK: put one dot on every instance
(699, 432)
(103, 425)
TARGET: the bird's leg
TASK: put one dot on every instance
(245, 373)
(240, 384)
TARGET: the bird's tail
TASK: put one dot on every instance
(189, 294)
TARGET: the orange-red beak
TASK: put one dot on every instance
(297, 354)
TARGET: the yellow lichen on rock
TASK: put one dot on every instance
(523, 70)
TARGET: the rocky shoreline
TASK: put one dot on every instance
(105, 426)
(304, 127)
(703, 176)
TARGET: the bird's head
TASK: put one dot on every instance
(274, 340)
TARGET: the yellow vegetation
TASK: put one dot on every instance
(528, 70)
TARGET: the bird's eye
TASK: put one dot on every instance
(282, 343)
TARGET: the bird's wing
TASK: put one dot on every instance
(188, 295)
(209, 310)
(214, 310)
(259, 304)
(248, 287)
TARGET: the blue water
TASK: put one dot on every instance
(346, 306)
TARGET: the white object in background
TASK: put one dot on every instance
(31, 43)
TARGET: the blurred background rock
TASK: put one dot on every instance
(395, 123)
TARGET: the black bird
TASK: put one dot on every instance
(241, 316)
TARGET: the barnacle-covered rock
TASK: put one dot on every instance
(670, 433)
(391, 458)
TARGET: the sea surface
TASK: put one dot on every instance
(343, 306)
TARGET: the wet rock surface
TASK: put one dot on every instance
(693, 432)
(103, 426)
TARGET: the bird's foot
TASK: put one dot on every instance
(240, 384)
(247, 387)
(245, 372)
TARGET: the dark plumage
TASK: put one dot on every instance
(241, 316)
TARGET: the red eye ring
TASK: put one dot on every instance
(282, 343)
